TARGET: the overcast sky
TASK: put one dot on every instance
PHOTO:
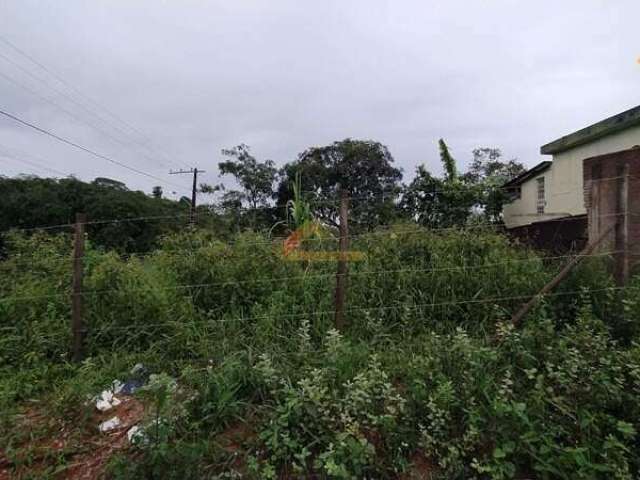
(195, 77)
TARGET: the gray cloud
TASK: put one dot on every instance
(284, 75)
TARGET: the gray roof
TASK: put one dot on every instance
(588, 134)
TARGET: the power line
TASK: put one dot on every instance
(79, 93)
(85, 149)
(15, 153)
(71, 114)
(79, 104)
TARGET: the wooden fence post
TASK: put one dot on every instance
(77, 323)
(341, 276)
(622, 227)
(517, 318)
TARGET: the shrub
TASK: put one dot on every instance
(428, 370)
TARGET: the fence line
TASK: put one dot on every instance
(405, 306)
(314, 276)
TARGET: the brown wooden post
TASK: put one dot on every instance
(517, 318)
(622, 227)
(194, 191)
(341, 276)
(77, 323)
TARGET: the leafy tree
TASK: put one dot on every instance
(255, 178)
(248, 206)
(454, 199)
(487, 163)
(438, 202)
(489, 172)
(363, 167)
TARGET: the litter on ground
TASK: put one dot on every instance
(107, 400)
(108, 425)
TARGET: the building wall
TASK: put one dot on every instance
(564, 181)
(523, 211)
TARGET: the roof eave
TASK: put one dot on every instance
(524, 176)
(593, 132)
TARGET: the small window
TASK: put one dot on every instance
(514, 193)
(540, 200)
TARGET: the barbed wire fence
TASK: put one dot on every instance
(341, 309)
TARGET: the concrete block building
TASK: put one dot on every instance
(548, 201)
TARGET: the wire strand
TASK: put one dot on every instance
(86, 98)
(85, 149)
(404, 306)
(313, 276)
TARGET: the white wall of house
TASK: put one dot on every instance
(563, 181)
(523, 211)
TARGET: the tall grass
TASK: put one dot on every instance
(427, 368)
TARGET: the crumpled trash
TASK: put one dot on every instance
(109, 425)
(106, 401)
(139, 375)
(131, 386)
(136, 434)
(116, 387)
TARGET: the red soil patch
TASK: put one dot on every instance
(90, 464)
(87, 452)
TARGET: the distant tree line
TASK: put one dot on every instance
(260, 193)
(29, 201)
(366, 169)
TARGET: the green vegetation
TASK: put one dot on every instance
(455, 199)
(249, 377)
(261, 194)
(33, 202)
(252, 380)
(364, 168)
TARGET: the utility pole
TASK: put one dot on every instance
(77, 322)
(341, 276)
(194, 190)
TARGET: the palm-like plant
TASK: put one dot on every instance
(298, 209)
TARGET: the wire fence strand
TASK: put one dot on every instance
(286, 279)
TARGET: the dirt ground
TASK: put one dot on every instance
(68, 451)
